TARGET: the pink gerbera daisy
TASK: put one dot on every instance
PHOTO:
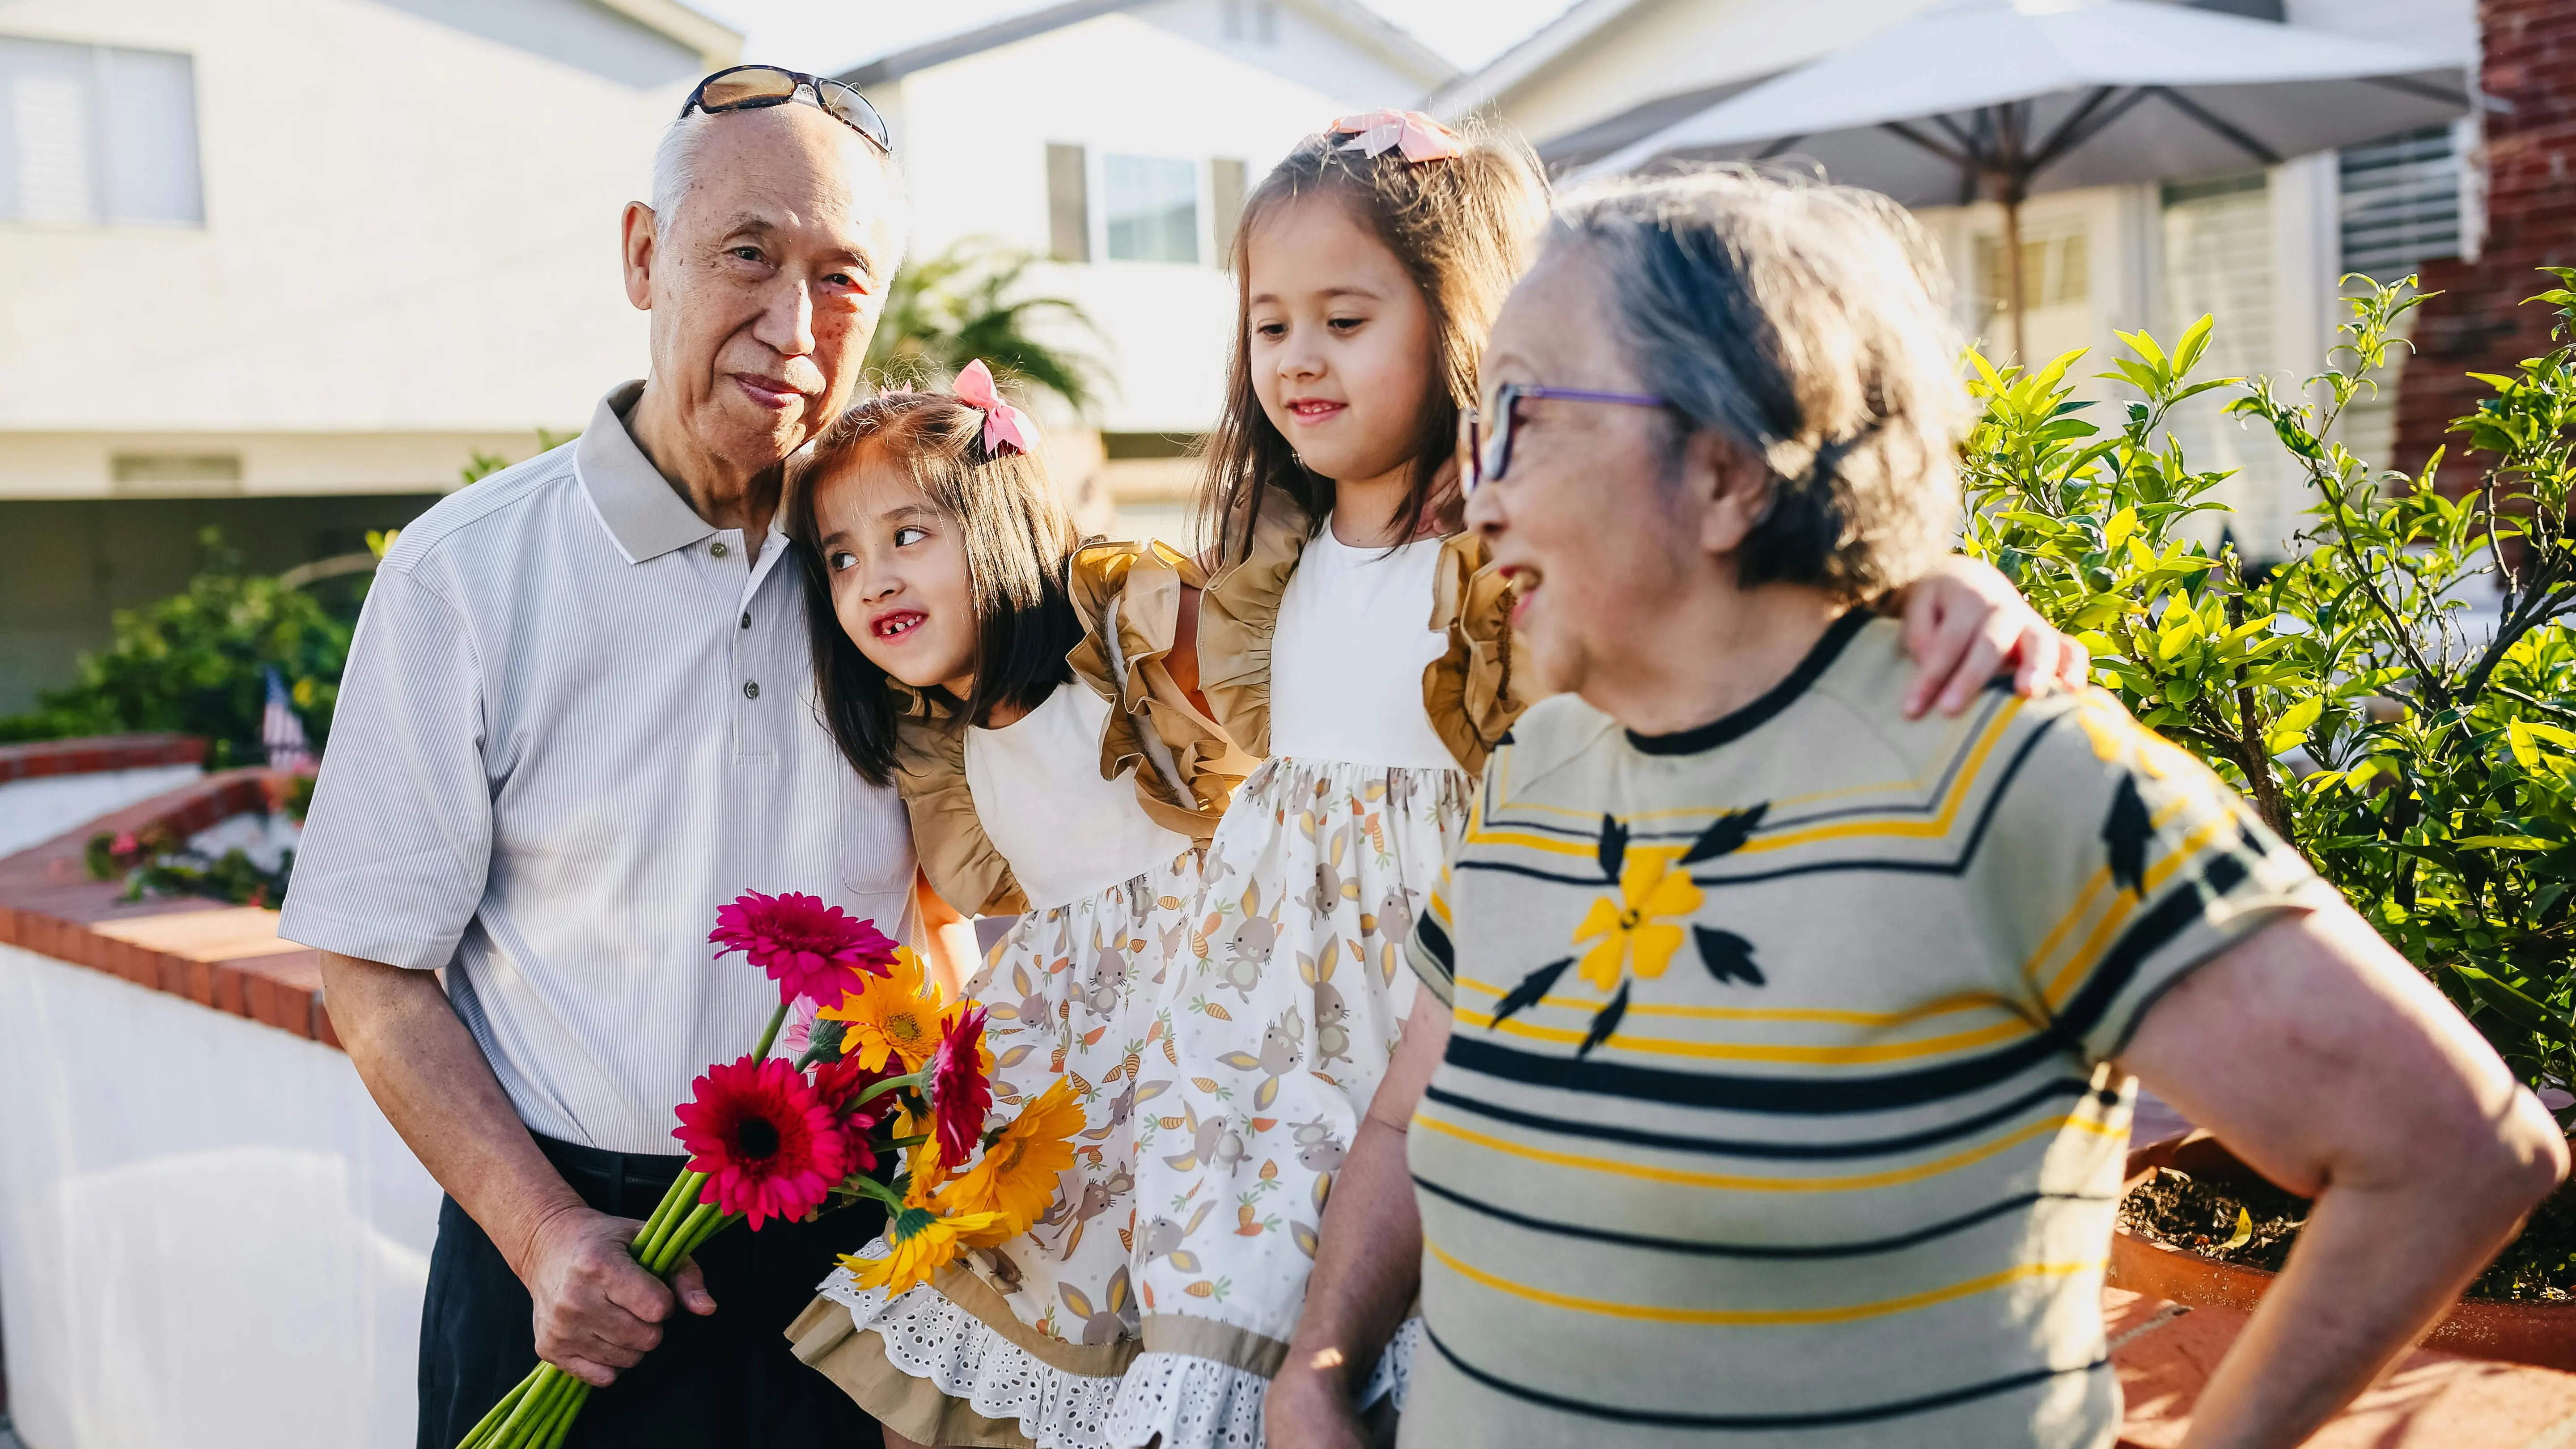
(770, 1148)
(813, 951)
(959, 1093)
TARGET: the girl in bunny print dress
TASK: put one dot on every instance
(1011, 685)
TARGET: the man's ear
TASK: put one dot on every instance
(1728, 488)
(637, 239)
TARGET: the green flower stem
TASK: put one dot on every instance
(648, 1250)
(558, 1419)
(880, 1089)
(481, 1433)
(901, 1143)
(698, 1239)
(671, 1250)
(878, 1190)
(777, 1019)
(668, 1208)
(531, 1403)
(572, 1406)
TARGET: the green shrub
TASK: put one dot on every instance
(2429, 773)
(196, 663)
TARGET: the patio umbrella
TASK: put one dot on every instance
(2011, 98)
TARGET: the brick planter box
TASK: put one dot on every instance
(225, 957)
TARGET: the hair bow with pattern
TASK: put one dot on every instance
(1006, 428)
(1420, 137)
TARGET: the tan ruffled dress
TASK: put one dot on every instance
(1084, 817)
(1374, 682)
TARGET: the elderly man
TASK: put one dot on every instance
(1779, 1051)
(578, 717)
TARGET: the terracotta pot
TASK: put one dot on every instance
(2534, 1333)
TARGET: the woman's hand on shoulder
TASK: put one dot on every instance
(1964, 621)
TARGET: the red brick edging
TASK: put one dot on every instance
(48, 903)
(97, 754)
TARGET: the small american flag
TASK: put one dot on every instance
(281, 731)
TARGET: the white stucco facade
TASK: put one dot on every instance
(407, 249)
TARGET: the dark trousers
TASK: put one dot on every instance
(726, 1381)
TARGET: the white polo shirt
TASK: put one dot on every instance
(576, 719)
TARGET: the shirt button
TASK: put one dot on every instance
(751, 689)
(717, 548)
(746, 618)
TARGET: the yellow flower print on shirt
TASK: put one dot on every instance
(1628, 929)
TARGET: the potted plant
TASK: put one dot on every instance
(2421, 757)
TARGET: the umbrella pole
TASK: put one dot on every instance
(2012, 272)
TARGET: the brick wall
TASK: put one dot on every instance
(2477, 324)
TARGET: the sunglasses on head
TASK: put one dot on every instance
(753, 87)
(1484, 454)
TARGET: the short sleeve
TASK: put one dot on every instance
(2118, 865)
(399, 836)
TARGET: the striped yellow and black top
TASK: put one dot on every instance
(1781, 1104)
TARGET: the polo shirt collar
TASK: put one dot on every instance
(643, 512)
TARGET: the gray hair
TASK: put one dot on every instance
(1806, 325)
(676, 155)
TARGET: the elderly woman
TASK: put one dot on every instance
(1784, 1051)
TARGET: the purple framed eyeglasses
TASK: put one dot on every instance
(1483, 456)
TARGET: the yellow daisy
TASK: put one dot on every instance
(1648, 887)
(921, 1243)
(1016, 1176)
(898, 1016)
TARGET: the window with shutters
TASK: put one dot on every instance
(2218, 263)
(2401, 203)
(96, 134)
(1152, 207)
(1068, 204)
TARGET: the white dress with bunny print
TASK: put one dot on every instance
(1287, 1005)
(1040, 1330)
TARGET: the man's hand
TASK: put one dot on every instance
(597, 1310)
(1310, 1408)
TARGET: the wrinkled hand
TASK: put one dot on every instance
(1964, 621)
(597, 1311)
(1310, 1410)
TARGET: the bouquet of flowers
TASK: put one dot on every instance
(884, 1065)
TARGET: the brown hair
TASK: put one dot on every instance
(1461, 227)
(1018, 540)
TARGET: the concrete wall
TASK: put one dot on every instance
(209, 1237)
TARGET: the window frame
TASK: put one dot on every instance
(99, 143)
(1201, 205)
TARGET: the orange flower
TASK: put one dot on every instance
(897, 1017)
(1016, 1176)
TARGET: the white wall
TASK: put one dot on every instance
(209, 1237)
(410, 226)
(973, 135)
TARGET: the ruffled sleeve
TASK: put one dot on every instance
(1239, 616)
(947, 835)
(1129, 597)
(1481, 684)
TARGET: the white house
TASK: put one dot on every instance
(1117, 140)
(2261, 251)
(283, 267)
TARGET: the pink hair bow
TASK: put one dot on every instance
(1006, 428)
(1422, 138)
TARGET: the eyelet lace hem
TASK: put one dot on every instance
(931, 1338)
(1199, 1403)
